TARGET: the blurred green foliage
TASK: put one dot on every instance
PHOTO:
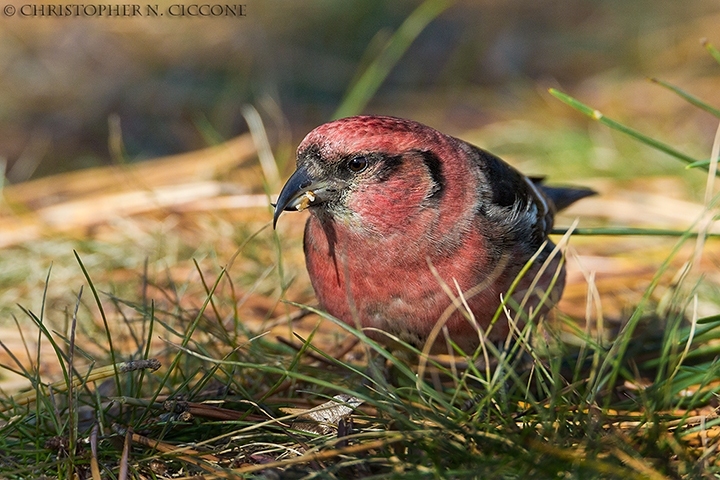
(62, 78)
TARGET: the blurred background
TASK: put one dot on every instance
(179, 84)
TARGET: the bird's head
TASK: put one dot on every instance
(367, 172)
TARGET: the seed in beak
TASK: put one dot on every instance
(307, 198)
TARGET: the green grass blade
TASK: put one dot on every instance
(699, 164)
(101, 309)
(615, 125)
(711, 49)
(630, 231)
(692, 99)
(360, 94)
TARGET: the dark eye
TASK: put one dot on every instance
(357, 164)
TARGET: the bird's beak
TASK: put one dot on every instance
(300, 191)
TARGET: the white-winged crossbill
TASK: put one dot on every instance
(398, 208)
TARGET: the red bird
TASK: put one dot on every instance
(398, 209)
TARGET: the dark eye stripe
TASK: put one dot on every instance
(432, 162)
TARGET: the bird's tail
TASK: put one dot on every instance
(563, 197)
